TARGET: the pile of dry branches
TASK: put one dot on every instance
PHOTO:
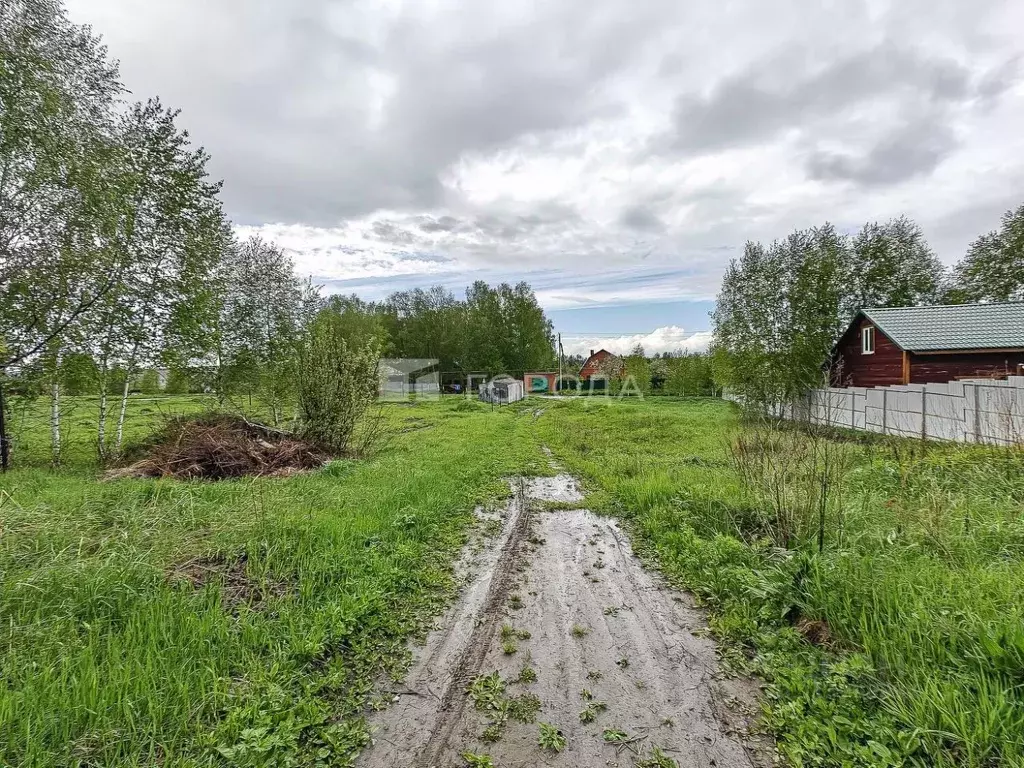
(218, 447)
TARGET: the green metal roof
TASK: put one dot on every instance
(953, 326)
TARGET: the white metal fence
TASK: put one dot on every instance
(970, 410)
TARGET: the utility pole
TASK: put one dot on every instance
(558, 387)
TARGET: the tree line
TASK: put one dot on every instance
(783, 305)
(116, 258)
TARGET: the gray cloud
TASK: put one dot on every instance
(780, 93)
(385, 138)
(642, 219)
(913, 150)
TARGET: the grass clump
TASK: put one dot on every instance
(551, 738)
(524, 708)
(527, 675)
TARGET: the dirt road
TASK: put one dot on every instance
(619, 671)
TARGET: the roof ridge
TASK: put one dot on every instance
(946, 306)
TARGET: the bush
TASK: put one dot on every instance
(337, 384)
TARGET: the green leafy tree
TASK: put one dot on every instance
(57, 90)
(779, 311)
(179, 382)
(169, 198)
(148, 382)
(79, 374)
(993, 269)
(265, 310)
(893, 266)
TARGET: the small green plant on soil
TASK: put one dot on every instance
(486, 691)
(492, 733)
(527, 675)
(595, 674)
(579, 631)
(591, 711)
(657, 759)
(551, 738)
(515, 602)
(586, 695)
(622, 663)
(509, 647)
(611, 611)
(599, 564)
(614, 736)
(477, 761)
(508, 632)
(524, 708)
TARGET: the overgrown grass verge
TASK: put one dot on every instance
(902, 643)
(243, 622)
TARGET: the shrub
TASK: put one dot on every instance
(337, 384)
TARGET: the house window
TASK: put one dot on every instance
(867, 340)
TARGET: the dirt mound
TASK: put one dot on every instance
(219, 447)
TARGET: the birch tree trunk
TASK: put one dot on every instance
(130, 370)
(55, 444)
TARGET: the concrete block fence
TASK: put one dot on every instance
(970, 410)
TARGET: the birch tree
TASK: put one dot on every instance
(57, 93)
(993, 269)
(170, 206)
(266, 306)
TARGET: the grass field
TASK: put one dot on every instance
(112, 657)
(245, 622)
(921, 592)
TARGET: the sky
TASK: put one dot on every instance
(615, 154)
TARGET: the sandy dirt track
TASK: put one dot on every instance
(600, 626)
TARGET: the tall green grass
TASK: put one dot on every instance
(108, 659)
(923, 662)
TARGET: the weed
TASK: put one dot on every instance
(492, 733)
(527, 675)
(614, 736)
(586, 695)
(622, 663)
(611, 611)
(591, 711)
(515, 602)
(551, 738)
(486, 691)
(477, 761)
(524, 708)
(657, 759)
(579, 631)
(509, 647)
(595, 674)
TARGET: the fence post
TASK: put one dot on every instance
(977, 415)
(885, 406)
(924, 414)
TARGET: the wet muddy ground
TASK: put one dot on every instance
(621, 664)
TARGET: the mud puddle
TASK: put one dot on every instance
(613, 660)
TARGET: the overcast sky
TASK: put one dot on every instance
(614, 154)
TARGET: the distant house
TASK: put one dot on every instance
(599, 363)
(934, 344)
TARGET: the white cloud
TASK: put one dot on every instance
(592, 137)
(671, 339)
